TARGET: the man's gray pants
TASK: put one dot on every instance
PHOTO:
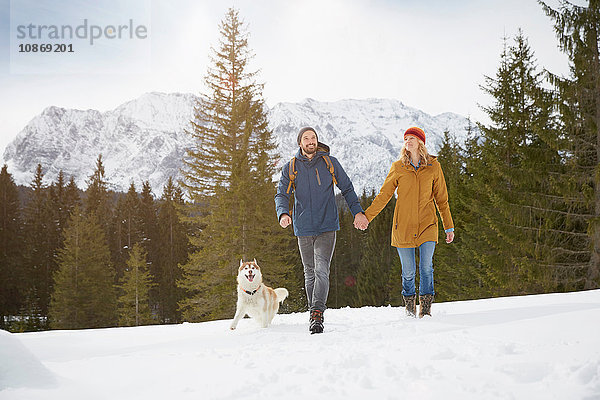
(316, 253)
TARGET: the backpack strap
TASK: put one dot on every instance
(331, 169)
(292, 173)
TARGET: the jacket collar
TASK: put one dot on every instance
(411, 167)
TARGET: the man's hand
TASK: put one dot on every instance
(449, 237)
(360, 221)
(285, 220)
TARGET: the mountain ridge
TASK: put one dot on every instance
(144, 138)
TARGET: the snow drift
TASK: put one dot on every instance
(19, 368)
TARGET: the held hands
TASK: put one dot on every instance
(449, 237)
(285, 220)
(360, 221)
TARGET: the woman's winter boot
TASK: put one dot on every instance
(425, 305)
(410, 304)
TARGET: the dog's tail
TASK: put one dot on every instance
(282, 294)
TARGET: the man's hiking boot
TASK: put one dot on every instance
(316, 321)
(410, 304)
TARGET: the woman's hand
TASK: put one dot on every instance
(449, 237)
(360, 221)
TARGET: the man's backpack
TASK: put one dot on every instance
(293, 173)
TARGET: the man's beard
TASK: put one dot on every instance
(312, 150)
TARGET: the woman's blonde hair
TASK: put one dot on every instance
(424, 157)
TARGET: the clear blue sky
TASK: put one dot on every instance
(432, 54)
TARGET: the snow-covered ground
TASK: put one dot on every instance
(532, 347)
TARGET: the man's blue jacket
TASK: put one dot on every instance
(315, 211)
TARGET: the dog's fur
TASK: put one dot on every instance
(255, 299)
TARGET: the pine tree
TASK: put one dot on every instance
(71, 200)
(40, 238)
(491, 173)
(148, 216)
(97, 198)
(468, 223)
(453, 275)
(62, 201)
(55, 204)
(578, 31)
(229, 173)
(134, 301)
(173, 250)
(11, 249)
(509, 176)
(84, 294)
(127, 228)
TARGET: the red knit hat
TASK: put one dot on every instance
(417, 132)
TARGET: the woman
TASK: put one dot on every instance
(419, 182)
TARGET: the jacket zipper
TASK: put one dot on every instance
(318, 178)
(412, 169)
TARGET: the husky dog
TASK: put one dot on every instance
(256, 299)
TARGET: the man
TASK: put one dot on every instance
(311, 175)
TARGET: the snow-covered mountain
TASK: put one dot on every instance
(140, 140)
(530, 347)
(145, 139)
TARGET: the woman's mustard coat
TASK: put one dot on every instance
(419, 191)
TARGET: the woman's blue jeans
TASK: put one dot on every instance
(409, 269)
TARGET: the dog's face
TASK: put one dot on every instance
(249, 272)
